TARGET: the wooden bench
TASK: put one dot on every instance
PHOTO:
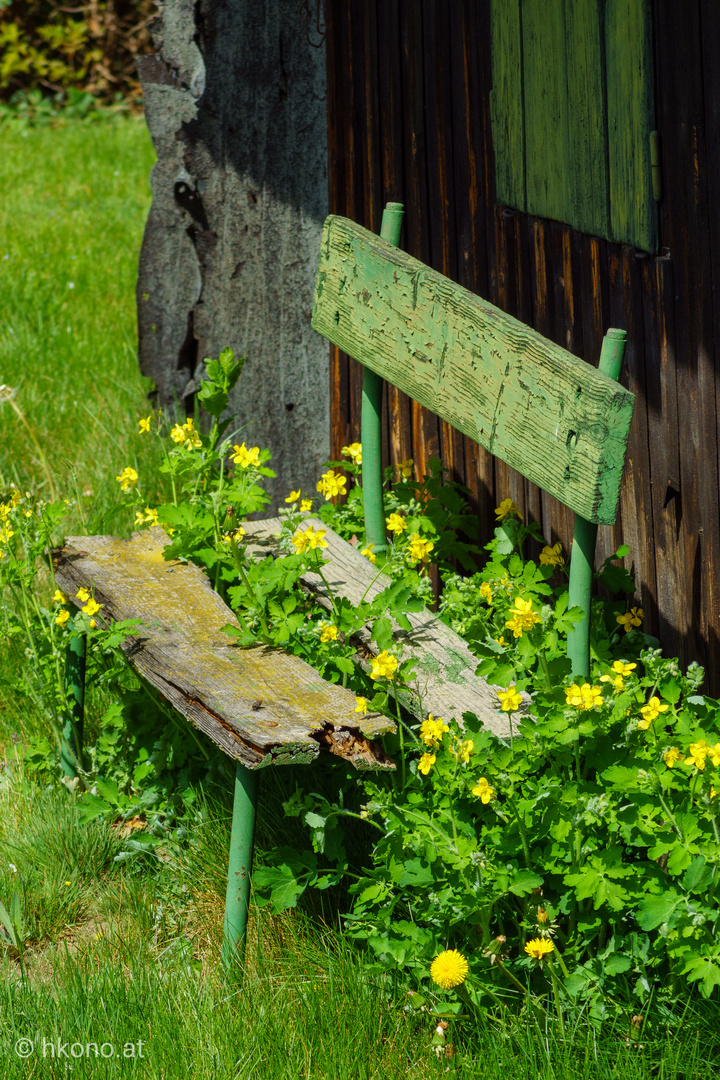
(554, 418)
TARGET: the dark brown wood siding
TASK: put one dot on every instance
(409, 121)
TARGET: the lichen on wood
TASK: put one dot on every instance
(261, 706)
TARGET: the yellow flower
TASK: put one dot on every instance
(91, 608)
(714, 754)
(650, 711)
(431, 730)
(583, 697)
(127, 479)
(500, 641)
(552, 556)
(328, 632)
(368, 552)
(522, 618)
(418, 550)
(618, 682)
(361, 705)
(671, 755)
(506, 509)
(234, 534)
(83, 594)
(93, 624)
(244, 457)
(383, 666)
(698, 752)
(463, 750)
(623, 669)
(354, 451)
(310, 538)
(486, 592)
(426, 763)
(139, 518)
(293, 496)
(178, 434)
(151, 516)
(144, 425)
(449, 969)
(633, 617)
(483, 791)
(331, 484)
(405, 468)
(62, 617)
(396, 524)
(542, 915)
(306, 506)
(539, 947)
(59, 597)
(191, 434)
(510, 700)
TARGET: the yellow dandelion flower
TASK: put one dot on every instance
(538, 948)
(449, 969)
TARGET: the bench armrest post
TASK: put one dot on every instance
(371, 416)
(582, 556)
(242, 838)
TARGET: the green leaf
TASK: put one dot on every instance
(382, 632)
(416, 873)
(656, 910)
(698, 875)
(523, 882)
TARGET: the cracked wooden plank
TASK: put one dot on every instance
(529, 402)
(261, 706)
(445, 683)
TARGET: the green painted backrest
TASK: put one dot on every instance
(553, 417)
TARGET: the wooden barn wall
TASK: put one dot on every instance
(409, 121)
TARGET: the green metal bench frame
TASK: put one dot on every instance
(560, 422)
(554, 418)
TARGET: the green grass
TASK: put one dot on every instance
(119, 953)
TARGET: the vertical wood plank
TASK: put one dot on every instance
(507, 105)
(587, 178)
(547, 161)
(630, 119)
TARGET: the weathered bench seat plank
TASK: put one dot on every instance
(261, 706)
(554, 418)
(445, 683)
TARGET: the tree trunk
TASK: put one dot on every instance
(235, 104)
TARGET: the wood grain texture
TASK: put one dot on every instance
(261, 706)
(532, 404)
(546, 105)
(508, 112)
(445, 683)
(630, 119)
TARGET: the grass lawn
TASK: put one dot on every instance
(121, 965)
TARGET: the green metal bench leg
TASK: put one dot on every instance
(237, 900)
(71, 747)
(582, 557)
(371, 416)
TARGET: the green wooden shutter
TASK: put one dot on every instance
(572, 111)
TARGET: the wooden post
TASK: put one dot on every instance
(371, 416)
(237, 900)
(71, 746)
(582, 556)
